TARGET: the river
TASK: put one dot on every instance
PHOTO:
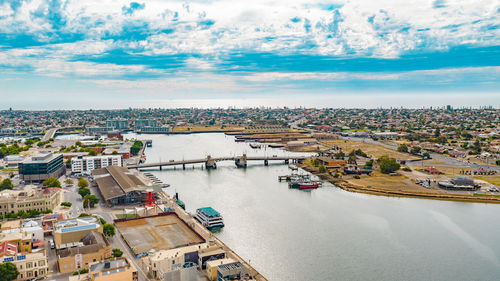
(329, 233)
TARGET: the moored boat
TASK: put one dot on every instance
(209, 218)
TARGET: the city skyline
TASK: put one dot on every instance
(69, 54)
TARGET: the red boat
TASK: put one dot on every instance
(308, 185)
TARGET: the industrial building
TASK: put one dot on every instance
(86, 164)
(119, 185)
(42, 166)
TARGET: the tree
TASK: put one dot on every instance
(82, 183)
(388, 165)
(84, 192)
(426, 155)
(136, 147)
(114, 152)
(52, 182)
(108, 230)
(322, 169)
(84, 215)
(92, 153)
(415, 150)
(437, 133)
(6, 184)
(8, 271)
(68, 181)
(68, 163)
(403, 148)
(92, 199)
(117, 253)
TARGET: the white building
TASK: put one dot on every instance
(86, 164)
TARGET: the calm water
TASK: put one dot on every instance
(328, 233)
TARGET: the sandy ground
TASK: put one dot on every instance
(371, 149)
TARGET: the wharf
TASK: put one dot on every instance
(207, 235)
(290, 177)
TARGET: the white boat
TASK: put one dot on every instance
(209, 218)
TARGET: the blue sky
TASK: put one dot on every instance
(57, 53)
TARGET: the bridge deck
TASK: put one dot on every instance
(216, 159)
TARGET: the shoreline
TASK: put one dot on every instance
(343, 184)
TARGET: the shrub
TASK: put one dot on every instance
(406, 169)
(68, 181)
(66, 204)
(403, 148)
(356, 177)
(109, 230)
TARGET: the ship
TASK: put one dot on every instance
(209, 218)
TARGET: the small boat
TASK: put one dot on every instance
(308, 185)
(181, 204)
(276, 145)
(209, 218)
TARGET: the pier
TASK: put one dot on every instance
(211, 162)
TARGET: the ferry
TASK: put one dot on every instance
(209, 218)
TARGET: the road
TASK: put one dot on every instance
(49, 134)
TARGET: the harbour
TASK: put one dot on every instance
(385, 234)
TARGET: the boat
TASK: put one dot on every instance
(308, 185)
(209, 218)
(181, 204)
(255, 146)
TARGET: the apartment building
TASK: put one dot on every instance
(86, 164)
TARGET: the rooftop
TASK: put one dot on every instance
(116, 181)
(209, 211)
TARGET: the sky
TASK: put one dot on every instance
(64, 54)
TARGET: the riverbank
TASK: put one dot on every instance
(345, 185)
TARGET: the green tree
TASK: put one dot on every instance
(415, 150)
(403, 148)
(6, 184)
(117, 253)
(90, 199)
(92, 153)
(68, 163)
(8, 271)
(109, 230)
(82, 183)
(322, 169)
(51, 182)
(388, 165)
(114, 152)
(68, 181)
(84, 192)
(136, 147)
(103, 221)
(84, 215)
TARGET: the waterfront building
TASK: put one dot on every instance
(118, 269)
(118, 124)
(232, 271)
(96, 130)
(31, 198)
(213, 266)
(119, 185)
(29, 265)
(142, 123)
(42, 166)
(164, 262)
(87, 164)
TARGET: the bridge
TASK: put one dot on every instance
(240, 161)
(49, 134)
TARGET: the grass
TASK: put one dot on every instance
(490, 179)
(489, 195)
(9, 169)
(126, 216)
(374, 150)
